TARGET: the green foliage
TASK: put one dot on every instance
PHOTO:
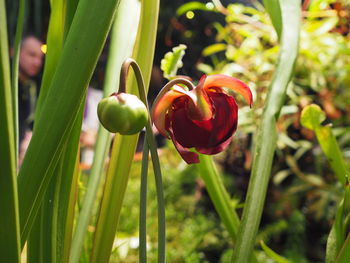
(172, 61)
(273, 254)
(339, 231)
(311, 118)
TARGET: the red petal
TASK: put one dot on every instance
(209, 136)
(187, 155)
(163, 103)
(234, 84)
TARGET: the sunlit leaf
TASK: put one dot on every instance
(215, 48)
(172, 61)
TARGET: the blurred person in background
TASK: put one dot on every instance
(30, 64)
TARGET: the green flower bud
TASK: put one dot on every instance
(123, 113)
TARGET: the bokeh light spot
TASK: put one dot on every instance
(43, 48)
(189, 15)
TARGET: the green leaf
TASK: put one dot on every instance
(125, 28)
(124, 146)
(9, 215)
(215, 48)
(54, 41)
(274, 9)
(78, 59)
(15, 68)
(172, 61)
(344, 254)
(267, 133)
(338, 232)
(311, 117)
(272, 254)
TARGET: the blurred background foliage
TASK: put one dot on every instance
(238, 39)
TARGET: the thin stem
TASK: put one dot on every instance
(220, 197)
(143, 205)
(218, 194)
(155, 160)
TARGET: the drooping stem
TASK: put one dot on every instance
(154, 155)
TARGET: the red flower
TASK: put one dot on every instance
(203, 118)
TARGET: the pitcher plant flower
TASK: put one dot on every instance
(202, 117)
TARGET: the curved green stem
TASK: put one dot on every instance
(154, 155)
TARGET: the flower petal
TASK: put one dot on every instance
(207, 134)
(234, 84)
(187, 155)
(202, 109)
(215, 150)
(161, 106)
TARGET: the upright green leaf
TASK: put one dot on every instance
(267, 134)
(9, 216)
(54, 42)
(123, 37)
(344, 254)
(273, 7)
(339, 229)
(81, 50)
(124, 146)
(50, 242)
(15, 64)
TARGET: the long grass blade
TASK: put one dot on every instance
(344, 254)
(274, 9)
(125, 29)
(267, 134)
(82, 48)
(9, 216)
(15, 64)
